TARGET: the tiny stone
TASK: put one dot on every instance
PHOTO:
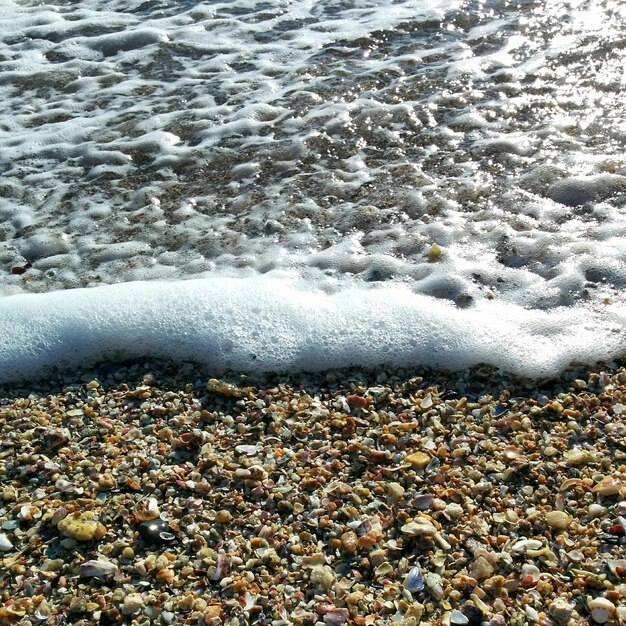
(418, 460)
(558, 520)
(456, 617)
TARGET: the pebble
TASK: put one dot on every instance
(82, 526)
(558, 520)
(419, 460)
(155, 531)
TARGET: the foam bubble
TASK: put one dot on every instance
(217, 321)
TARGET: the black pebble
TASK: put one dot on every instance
(155, 531)
(473, 614)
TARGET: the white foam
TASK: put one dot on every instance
(275, 323)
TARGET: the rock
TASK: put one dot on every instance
(82, 526)
(395, 492)
(561, 610)
(419, 460)
(322, 576)
(558, 520)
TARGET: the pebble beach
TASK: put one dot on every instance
(154, 493)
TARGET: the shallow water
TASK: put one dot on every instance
(331, 142)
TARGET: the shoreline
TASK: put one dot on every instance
(145, 494)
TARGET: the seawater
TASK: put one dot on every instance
(269, 185)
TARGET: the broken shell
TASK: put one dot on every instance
(577, 456)
(523, 545)
(5, 544)
(147, 510)
(601, 609)
(322, 576)
(458, 619)
(97, 568)
(608, 486)
(414, 580)
(132, 604)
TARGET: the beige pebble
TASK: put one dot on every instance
(83, 526)
(558, 520)
(418, 460)
(322, 576)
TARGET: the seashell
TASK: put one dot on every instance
(155, 531)
(58, 515)
(523, 545)
(427, 401)
(531, 571)
(222, 566)
(336, 617)
(97, 568)
(608, 486)
(433, 582)
(29, 512)
(422, 501)
(453, 511)
(597, 510)
(147, 510)
(531, 613)
(481, 569)
(578, 456)
(414, 580)
(132, 604)
(601, 609)
(54, 439)
(43, 611)
(419, 529)
(5, 544)
(322, 576)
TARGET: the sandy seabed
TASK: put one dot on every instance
(157, 493)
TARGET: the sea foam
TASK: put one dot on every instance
(279, 323)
